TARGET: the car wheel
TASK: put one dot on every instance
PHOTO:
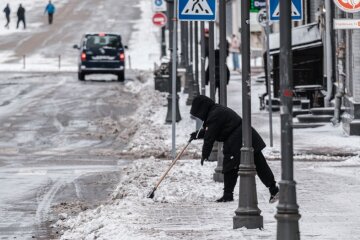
(121, 76)
(81, 76)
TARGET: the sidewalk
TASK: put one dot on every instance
(184, 208)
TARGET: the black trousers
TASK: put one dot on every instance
(51, 17)
(263, 171)
(21, 20)
(7, 21)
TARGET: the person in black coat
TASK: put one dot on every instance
(222, 124)
(217, 73)
(7, 12)
(21, 16)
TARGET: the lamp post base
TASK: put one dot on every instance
(288, 226)
(218, 177)
(250, 222)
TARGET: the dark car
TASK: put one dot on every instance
(101, 53)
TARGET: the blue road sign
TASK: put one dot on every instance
(197, 10)
(158, 2)
(296, 10)
(158, 5)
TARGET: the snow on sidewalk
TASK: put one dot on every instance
(184, 207)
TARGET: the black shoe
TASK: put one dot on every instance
(274, 194)
(226, 198)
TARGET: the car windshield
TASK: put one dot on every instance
(107, 41)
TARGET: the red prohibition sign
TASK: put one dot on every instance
(348, 5)
(159, 19)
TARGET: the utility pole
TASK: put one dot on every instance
(196, 91)
(212, 60)
(172, 98)
(214, 153)
(329, 36)
(191, 69)
(202, 30)
(223, 52)
(163, 42)
(185, 32)
(183, 44)
(196, 50)
(268, 75)
(218, 175)
(248, 213)
(287, 210)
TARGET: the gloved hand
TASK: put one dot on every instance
(197, 134)
(194, 135)
(202, 160)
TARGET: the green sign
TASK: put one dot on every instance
(257, 5)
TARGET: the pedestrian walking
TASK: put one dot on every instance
(50, 9)
(217, 72)
(21, 16)
(235, 50)
(7, 12)
(222, 124)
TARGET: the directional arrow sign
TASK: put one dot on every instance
(296, 10)
(197, 10)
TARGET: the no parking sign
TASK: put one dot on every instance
(158, 5)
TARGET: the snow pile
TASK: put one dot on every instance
(126, 217)
(147, 134)
(140, 177)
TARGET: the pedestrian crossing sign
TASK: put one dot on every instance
(296, 10)
(197, 10)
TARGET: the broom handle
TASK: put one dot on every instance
(172, 164)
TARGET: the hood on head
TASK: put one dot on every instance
(201, 106)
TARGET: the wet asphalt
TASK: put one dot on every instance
(58, 135)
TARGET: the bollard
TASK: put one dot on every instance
(218, 175)
(214, 153)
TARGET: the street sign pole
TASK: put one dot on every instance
(268, 75)
(247, 213)
(196, 82)
(218, 175)
(287, 210)
(329, 34)
(174, 76)
(212, 60)
(186, 55)
(202, 30)
(183, 43)
(191, 68)
(196, 50)
(163, 42)
(223, 51)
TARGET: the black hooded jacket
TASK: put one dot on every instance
(7, 11)
(21, 12)
(220, 123)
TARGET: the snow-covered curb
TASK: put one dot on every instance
(123, 218)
